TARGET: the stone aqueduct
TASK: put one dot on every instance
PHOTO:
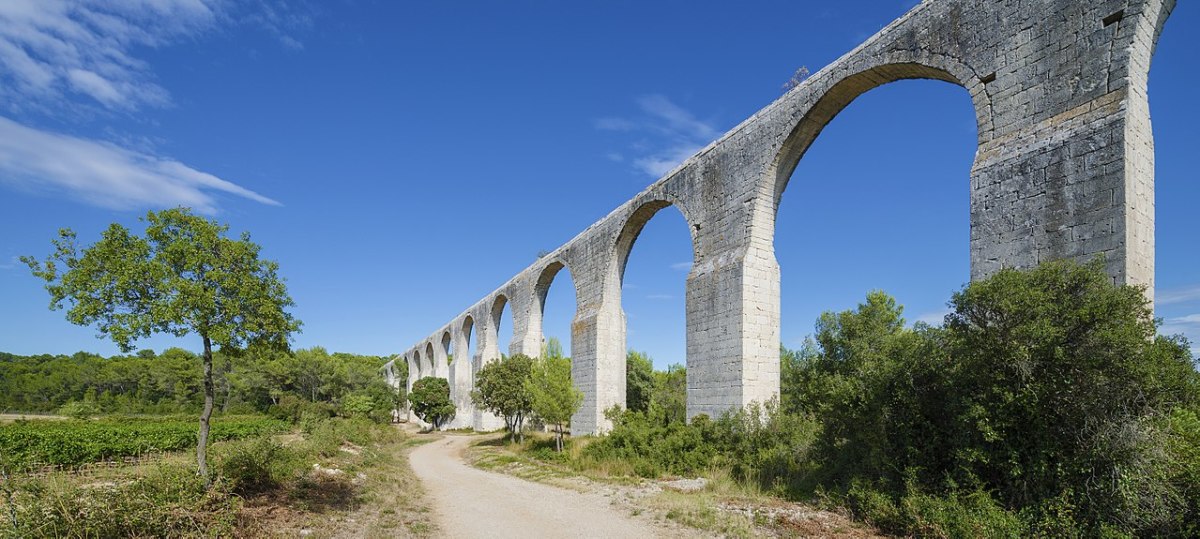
(1064, 169)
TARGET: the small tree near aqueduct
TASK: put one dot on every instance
(500, 389)
(430, 400)
(554, 398)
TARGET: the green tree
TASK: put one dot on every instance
(553, 397)
(184, 277)
(552, 348)
(500, 389)
(431, 401)
(639, 381)
(668, 404)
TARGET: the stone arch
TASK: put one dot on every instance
(632, 228)
(491, 349)
(845, 90)
(430, 368)
(541, 289)
(420, 365)
(464, 330)
(447, 346)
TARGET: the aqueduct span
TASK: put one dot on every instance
(1064, 169)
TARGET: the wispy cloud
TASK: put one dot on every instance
(676, 134)
(68, 54)
(104, 174)
(59, 50)
(10, 264)
(681, 266)
(1177, 295)
(283, 20)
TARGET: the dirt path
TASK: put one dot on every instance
(470, 502)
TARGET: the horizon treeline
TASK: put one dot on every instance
(148, 382)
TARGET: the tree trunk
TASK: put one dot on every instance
(206, 415)
(560, 429)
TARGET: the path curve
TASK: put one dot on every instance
(474, 503)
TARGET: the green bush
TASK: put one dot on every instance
(255, 466)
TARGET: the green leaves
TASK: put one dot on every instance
(185, 276)
(431, 401)
(553, 397)
(500, 389)
(72, 443)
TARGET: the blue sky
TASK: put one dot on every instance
(402, 159)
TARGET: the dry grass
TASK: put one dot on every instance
(725, 507)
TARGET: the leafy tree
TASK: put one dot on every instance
(553, 397)
(639, 381)
(431, 401)
(500, 389)
(184, 277)
(553, 348)
(668, 403)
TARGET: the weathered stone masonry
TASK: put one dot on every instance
(1064, 170)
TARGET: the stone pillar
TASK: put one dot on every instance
(461, 381)
(527, 326)
(732, 331)
(598, 364)
(489, 351)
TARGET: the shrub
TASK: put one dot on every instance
(254, 466)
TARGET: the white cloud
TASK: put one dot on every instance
(104, 174)
(60, 50)
(12, 263)
(681, 266)
(1178, 295)
(677, 134)
(1189, 319)
(55, 53)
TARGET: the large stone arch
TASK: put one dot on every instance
(1064, 169)
(540, 289)
(843, 91)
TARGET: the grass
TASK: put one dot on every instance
(341, 476)
(725, 507)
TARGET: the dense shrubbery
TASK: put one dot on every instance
(1046, 405)
(71, 443)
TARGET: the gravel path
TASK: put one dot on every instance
(473, 503)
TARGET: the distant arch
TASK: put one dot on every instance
(427, 367)
(447, 344)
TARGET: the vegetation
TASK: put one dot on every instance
(261, 485)
(500, 389)
(553, 397)
(431, 401)
(71, 443)
(1046, 406)
(184, 277)
(639, 381)
(282, 384)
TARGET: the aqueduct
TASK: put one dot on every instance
(1064, 169)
